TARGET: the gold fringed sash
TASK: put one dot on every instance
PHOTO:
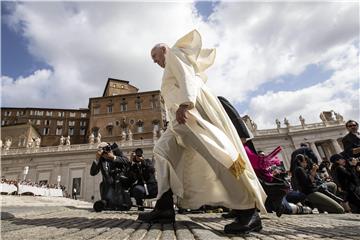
(238, 167)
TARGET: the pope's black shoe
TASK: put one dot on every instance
(158, 216)
(163, 212)
(248, 221)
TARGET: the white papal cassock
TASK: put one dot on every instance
(202, 161)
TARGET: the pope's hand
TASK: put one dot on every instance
(181, 114)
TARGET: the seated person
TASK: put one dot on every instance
(305, 180)
(113, 165)
(346, 176)
(142, 173)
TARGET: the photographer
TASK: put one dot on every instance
(142, 172)
(114, 167)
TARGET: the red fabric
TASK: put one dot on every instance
(261, 165)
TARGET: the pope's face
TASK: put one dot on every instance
(158, 56)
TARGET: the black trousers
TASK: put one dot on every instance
(138, 192)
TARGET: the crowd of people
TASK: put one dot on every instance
(29, 182)
(330, 185)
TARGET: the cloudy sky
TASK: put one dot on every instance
(274, 59)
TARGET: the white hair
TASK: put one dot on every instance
(159, 45)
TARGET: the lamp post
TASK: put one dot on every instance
(26, 170)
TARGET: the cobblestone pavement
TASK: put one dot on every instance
(45, 218)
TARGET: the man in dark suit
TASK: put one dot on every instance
(351, 141)
(239, 124)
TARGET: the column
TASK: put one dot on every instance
(336, 145)
(316, 152)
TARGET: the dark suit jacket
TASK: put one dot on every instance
(105, 166)
(351, 141)
(237, 121)
(235, 118)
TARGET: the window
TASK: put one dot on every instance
(49, 114)
(39, 113)
(72, 114)
(140, 126)
(138, 103)
(109, 109)
(83, 115)
(2, 122)
(59, 123)
(46, 131)
(82, 131)
(153, 102)
(82, 123)
(38, 122)
(71, 131)
(7, 114)
(96, 110)
(123, 105)
(47, 122)
(17, 113)
(58, 131)
(72, 123)
(61, 114)
(31, 112)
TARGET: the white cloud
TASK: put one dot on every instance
(25, 91)
(85, 43)
(257, 43)
(339, 93)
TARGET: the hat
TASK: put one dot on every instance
(335, 157)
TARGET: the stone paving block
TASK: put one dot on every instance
(182, 232)
(80, 222)
(154, 232)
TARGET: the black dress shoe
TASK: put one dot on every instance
(244, 224)
(158, 216)
(140, 208)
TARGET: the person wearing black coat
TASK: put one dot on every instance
(348, 180)
(110, 162)
(305, 180)
(351, 141)
(238, 123)
(142, 173)
(310, 156)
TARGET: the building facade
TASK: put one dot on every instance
(123, 113)
(51, 124)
